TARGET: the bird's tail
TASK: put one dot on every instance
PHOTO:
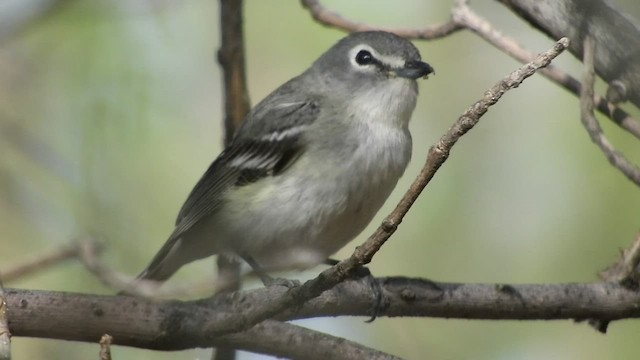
(163, 265)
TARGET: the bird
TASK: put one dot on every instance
(310, 165)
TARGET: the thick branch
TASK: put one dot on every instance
(174, 325)
(165, 325)
(292, 342)
(418, 298)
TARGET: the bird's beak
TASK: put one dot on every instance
(414, 69)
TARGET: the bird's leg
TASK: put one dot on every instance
(379, 303)
(264, 277)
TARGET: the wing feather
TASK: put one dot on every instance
(267, 143)
(249, 158)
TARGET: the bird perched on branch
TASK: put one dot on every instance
(310, 165)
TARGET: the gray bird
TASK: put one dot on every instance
(310, 166)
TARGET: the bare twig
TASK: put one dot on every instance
(327, 17)
(615, 34)
(5, 334)
(231, 58)
(105, 347)
(43, 261)
(364, 253)
(616, 158)
(625, 270)
(114, 279)
(463, 15)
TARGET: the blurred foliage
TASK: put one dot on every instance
(110, 111)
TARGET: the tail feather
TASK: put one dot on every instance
(163, 265)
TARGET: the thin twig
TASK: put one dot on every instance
(330, 18)
(616, 158)
(462, 17)
(625, 270)
(105, 347)
(114, 279)
(43, 261)
(231, 58)
(465, 17)
(364, 253)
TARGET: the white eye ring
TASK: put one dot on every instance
(362, 57)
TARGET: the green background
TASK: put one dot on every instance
(111, 110)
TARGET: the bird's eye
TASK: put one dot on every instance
(363, 57)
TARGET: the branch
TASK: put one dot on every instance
(617, 36)
(464, 18)
(44, 261)
(176, 325)
(329, 18)
(463, 15)
(625, 271)
(167, 325)
(286, 340)
(231, 58)
(89, 257)
(420, 298)
(616, 158)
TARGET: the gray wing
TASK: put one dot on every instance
(245, 161)
(267, 143)
(249, 158)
